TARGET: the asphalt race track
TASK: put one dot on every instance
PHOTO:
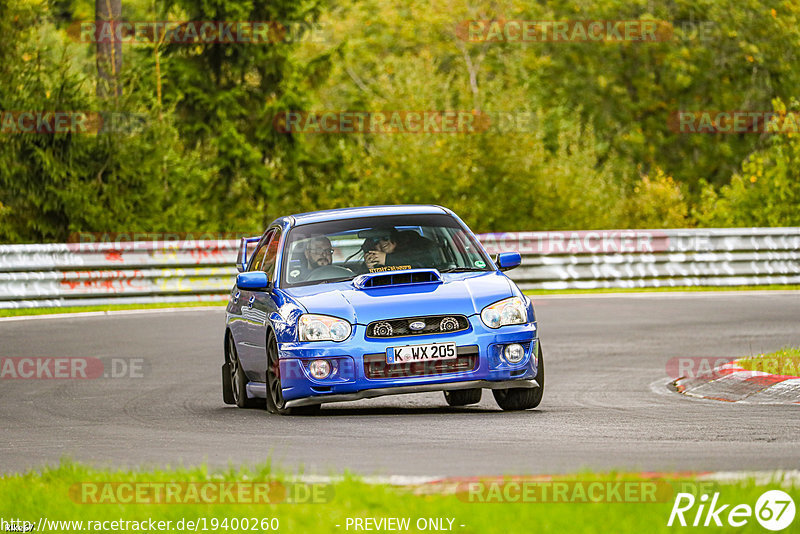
(606, 402)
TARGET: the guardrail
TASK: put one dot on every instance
(167, 271)
(652, 258)
(76, 274)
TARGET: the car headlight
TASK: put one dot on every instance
(322, 328)
(507, 311)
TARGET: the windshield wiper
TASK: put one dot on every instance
(332, 280)
(462, 270)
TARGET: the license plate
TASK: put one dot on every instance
(421, 353)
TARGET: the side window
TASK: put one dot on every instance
(258, 257)
(271, 255)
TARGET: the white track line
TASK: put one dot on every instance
(665, 294)
(535, 297)
(761, 478)
(111, 313)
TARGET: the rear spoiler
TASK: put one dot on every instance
(243, 257)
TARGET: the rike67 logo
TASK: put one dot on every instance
(774, 510)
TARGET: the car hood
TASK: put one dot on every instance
(460, 293)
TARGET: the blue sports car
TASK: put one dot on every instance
(356, 303)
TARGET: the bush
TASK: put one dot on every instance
(656, 202)
(765, 193)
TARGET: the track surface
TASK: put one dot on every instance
(606, 402)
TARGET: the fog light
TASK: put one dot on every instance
(320, 369)
(514, 353)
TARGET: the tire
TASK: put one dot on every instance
(522, 398)
(237, 379)
(462, 397)
(227, 383)
(275, 402)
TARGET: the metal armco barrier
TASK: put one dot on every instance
(76, 274)
(169, 271)
(652, 258)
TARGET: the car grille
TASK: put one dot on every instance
(434, 324)
(375, 366)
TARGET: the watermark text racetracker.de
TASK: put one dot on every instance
(734, 122)
(533, 31)
(71, 368)
(193, 32)
(582, 31)
(50, 122)
(228, 492)
(145, 241)
(406, 121)
(547, 490)
(524, 490)
(696, 366)
(381, 122)
(596, 242)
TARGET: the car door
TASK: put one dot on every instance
(239, 300)
(256, 309)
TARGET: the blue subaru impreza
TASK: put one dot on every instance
(356, 303)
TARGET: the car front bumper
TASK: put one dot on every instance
(351, 380)
(420, 388)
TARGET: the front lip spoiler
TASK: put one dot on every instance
(399, 390)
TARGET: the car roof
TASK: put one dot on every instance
(365, 211)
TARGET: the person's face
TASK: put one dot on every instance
(386, 245)
(319, 253)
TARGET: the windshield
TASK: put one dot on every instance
(341, 250)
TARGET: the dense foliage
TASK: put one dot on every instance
(592, 146)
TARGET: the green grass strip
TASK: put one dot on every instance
(785, 361)
(73, 491)
(16, 312)
(773, 287)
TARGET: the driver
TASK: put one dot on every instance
(319, 253)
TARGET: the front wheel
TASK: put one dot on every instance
(275, 401)
(522, 398)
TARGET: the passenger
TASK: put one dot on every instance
(398, 249)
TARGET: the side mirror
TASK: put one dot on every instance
(253, 281)
(246, 246)
(508, 260)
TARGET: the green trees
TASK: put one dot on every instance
(580, 134)
(602, 151)
(225, 97)
(134, 176)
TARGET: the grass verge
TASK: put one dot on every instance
(75, 492)
(773, 287)
(16, 312)
(785, 361)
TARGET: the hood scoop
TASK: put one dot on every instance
(406, 277)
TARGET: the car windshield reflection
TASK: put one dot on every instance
(338, 251)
